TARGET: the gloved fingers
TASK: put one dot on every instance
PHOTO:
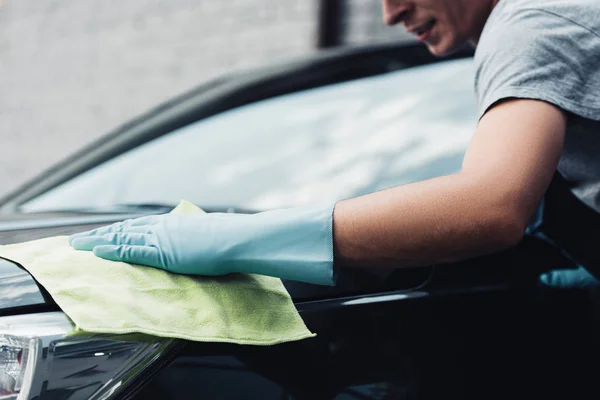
(569, 279)
(78, 235)
(132, 239)
(120, 226)
(141, 255)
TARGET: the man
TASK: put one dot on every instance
(538, 87)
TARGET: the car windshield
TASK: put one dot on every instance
(319, 145)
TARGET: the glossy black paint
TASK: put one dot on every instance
(17, 288)
(489, 344)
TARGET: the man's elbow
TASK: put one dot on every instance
(504, 212)
(507, 229)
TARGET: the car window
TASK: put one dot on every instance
(319, 145)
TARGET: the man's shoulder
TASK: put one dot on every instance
(522, 26)
(540, 13)
(546, 50)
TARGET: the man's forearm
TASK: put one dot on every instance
(439, 220)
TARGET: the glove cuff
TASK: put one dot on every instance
(294, 244)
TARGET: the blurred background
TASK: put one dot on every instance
(73, 70)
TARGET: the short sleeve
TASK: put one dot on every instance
(536, 54)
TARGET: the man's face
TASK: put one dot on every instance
(443, 25)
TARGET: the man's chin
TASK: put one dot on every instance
(437, 51)
(444, 49)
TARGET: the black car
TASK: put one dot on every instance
(337, 125)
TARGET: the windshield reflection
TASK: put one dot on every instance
(320, 145)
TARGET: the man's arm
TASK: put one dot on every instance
(482, 209)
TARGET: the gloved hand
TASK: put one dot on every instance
(569, 279)
(294, 243)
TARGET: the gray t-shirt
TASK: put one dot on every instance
(549, 50)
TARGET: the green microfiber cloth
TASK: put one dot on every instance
(114, 297)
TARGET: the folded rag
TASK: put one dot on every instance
(115, 297)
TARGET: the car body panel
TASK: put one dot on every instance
(17, 288)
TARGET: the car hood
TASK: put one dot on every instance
(20, 293)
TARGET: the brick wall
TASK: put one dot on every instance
(72, 70)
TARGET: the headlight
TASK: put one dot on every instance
(38, 359)
(15, 356)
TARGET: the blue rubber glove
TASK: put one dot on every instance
(569, 279)
(559, 278)
(295, 244)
